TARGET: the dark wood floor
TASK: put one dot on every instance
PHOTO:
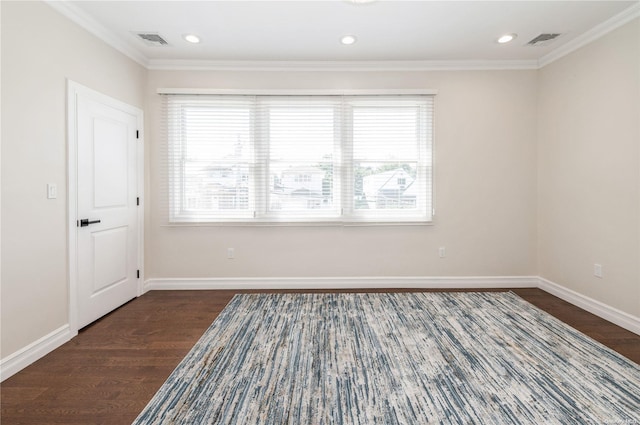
(108, 373)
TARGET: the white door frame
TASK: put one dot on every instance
(73, 90)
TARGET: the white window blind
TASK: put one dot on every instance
(234, 158)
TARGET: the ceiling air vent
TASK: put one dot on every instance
(543, 39)
(152, 39)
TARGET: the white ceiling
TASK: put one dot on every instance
(309, 31)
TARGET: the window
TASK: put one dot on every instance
(299, 158)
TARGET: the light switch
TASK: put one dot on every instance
(52, 191)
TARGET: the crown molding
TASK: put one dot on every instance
(87, 22)
(592, 35)
(355, 66)
(76, 15)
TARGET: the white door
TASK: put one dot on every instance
(107, 263)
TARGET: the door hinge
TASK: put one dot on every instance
(137, 134)
(138, 201)
(138, 273)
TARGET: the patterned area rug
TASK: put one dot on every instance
(402, 358)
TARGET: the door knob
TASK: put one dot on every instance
(85, 222)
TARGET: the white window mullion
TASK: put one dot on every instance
(176, 161)
(261, 158)
(426, 140)
(421, 179)
(336, 180)
(346, 165)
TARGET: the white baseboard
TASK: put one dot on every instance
(343, 282)
(22, 358)
(38, 349)
(620, 318)
(613, 315)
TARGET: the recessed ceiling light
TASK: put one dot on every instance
(507, 38)
(191, 38)
(348, 39)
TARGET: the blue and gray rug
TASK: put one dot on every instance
(402, 358)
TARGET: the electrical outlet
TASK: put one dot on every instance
(442, 252)
(231, 253)
(597, 270)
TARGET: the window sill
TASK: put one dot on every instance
(299, 223)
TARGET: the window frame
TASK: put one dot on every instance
(343, 193)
